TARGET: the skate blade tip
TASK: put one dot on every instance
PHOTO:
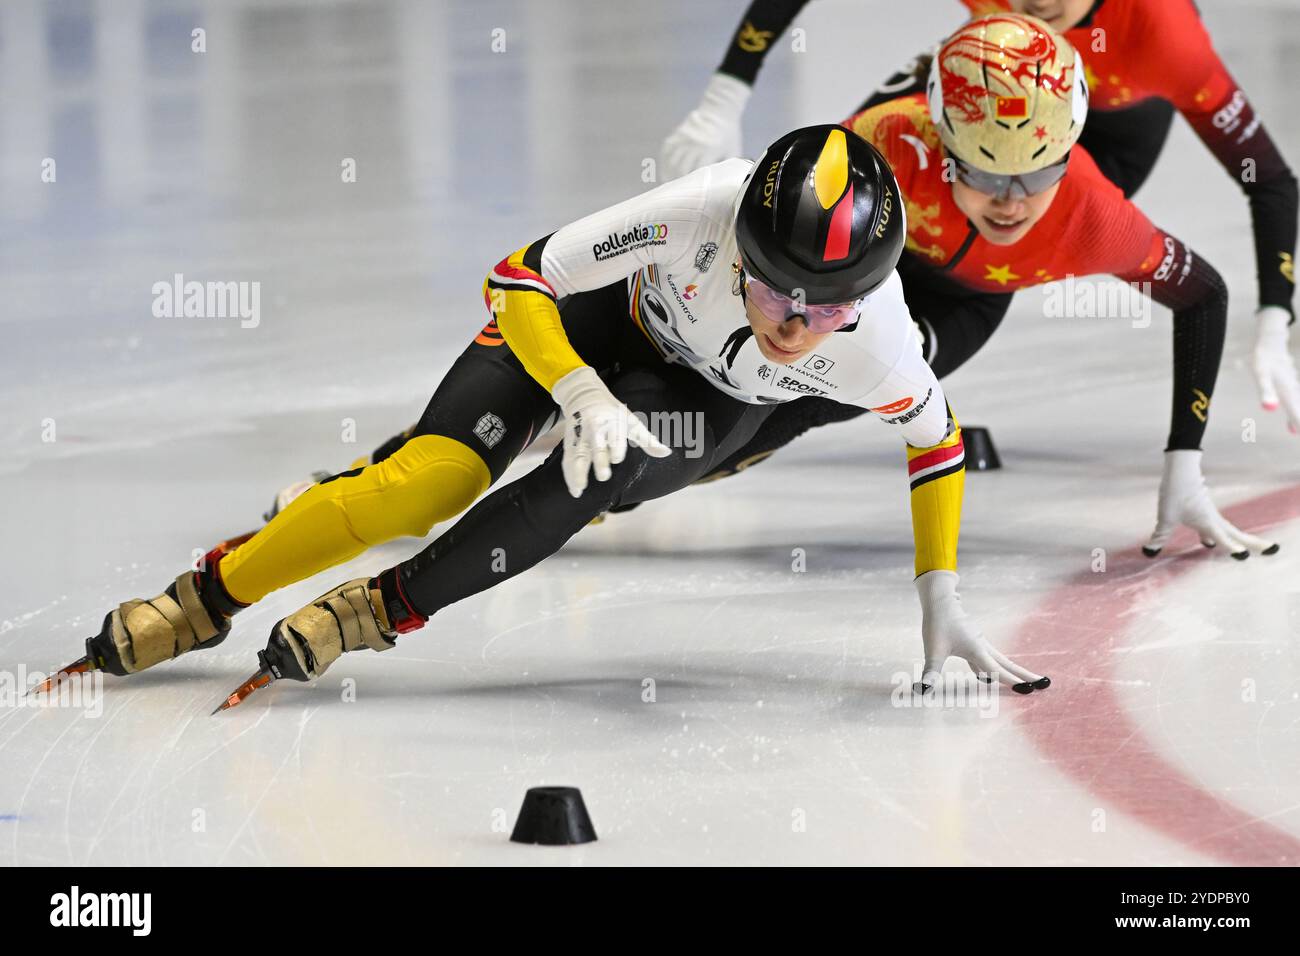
(82, 666)
(244, 690)
(234, 700)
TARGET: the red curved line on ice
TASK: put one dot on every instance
(1081, 724)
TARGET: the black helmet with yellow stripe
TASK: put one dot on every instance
(821, 217)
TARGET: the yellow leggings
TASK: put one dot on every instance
(429, 479)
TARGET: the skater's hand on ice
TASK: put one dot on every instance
(1275, 372)
(710, 132)
(947, 632)
(1184, 499)
(597, 429)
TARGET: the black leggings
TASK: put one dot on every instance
(489, 402)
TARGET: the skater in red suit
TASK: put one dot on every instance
(1143, 60)
(973, 241)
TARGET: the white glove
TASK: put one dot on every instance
(710, 132)
(1274, 370)
(946, 632)
(1184, 499)
(597, 429)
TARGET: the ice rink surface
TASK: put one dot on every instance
(714, 704)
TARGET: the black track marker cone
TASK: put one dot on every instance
(554, 816)
(980, 453)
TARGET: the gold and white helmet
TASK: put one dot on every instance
(1008, 94)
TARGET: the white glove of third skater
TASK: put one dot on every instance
(597, 429)
(1184, 499)
(946, 632)
(1274, 369)
(710, 132)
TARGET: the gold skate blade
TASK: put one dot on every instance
(240, 693)
(82, 666)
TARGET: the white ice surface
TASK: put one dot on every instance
(1170, 736)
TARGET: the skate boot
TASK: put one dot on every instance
(193, 612)
(359, 614)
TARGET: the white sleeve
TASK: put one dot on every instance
(911, 399)
(660, 226)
